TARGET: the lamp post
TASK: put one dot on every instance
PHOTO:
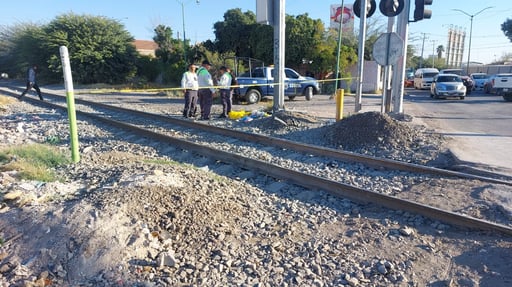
(471, 31)
(433, 52)
(183, 21)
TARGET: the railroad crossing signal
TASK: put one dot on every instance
(420, 12)
(371, 6)
(391, 8)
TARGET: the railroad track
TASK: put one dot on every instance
(156, 127)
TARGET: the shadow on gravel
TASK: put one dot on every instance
(492, 263)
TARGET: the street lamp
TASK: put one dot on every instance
(433, 52)
(183, 20)
(471, 31)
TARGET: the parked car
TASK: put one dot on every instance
(259, 83)
(409, 82)
(489, 85)
(479, 80)
(503, 85)
(447, 85)
(423, 77)
(466, 80)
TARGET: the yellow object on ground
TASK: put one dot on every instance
(235, 115)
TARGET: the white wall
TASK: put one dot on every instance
(372, 78)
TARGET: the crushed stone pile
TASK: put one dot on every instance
(370, 129)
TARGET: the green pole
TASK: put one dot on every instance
(339, 48)
(70, 99)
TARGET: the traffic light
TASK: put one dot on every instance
(371, 6)
(391, 8)
(420, 12)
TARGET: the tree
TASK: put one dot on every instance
(170, 54)
(163, 38)
(234, 33)
(17, 46)
(439, 51)
(411, 61)
(303, 38)
(260, 44)
(100, 49)
(506, 27)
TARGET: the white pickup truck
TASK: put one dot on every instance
(503, 86)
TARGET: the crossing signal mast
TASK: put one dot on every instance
(420, 12)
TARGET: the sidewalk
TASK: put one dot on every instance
(481, 152)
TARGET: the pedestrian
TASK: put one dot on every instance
(190, 85)
(206, 90)
(32, 83)
(225, 91)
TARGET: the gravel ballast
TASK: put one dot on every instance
(129, 214)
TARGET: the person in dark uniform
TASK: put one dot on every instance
(32, 83)
(206, 90)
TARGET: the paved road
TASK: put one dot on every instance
(480, 126)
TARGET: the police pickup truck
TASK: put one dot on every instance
(503, 86)
(259, 82)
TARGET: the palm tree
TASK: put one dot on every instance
(440, 50)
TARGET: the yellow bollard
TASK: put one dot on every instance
(340, 93)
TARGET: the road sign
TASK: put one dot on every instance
(388, 49)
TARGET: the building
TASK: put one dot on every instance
(145, 47)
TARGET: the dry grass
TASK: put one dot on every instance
(5, 100)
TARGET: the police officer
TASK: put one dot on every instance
(206, 90)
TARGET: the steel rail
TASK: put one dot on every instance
(341, 155)
(375, 162)
(309, 181)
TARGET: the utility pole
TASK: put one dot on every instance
(398, 76)
(422, 49)
(340, 32)
(471, 16)
(433, 52)
(279, 54)
(183, 22)
(360, 56)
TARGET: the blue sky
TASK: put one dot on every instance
(140, 17)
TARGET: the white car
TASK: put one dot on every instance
(447, 85)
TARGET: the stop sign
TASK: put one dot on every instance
(388, 49)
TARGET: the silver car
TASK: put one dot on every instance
(479, 79)
(447, 85)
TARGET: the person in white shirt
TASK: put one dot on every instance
(31, 83)
(225, 91)
(190, 85)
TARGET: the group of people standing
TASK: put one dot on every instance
(198, 86)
